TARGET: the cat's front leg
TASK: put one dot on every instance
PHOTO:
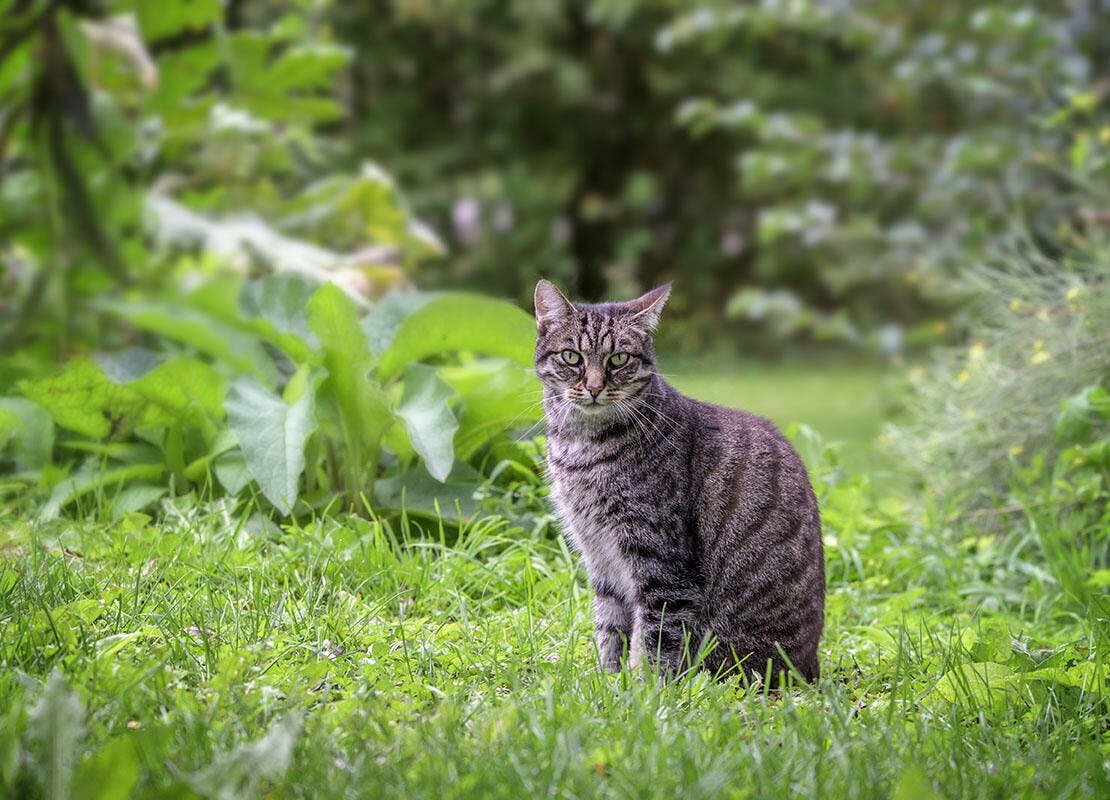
(668, 623)
(612, 625)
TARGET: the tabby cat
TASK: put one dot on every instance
(697, 524)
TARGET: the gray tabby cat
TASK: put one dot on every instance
(696, 523)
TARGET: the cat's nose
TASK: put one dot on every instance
(594, 392)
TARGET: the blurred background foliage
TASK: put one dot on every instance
(814, 170)
(821, 171)
(178, 178)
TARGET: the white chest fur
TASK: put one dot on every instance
(596, 539)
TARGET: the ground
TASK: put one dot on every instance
(209, 654)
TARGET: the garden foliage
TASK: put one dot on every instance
(273, 520)
(170, 218)
(810, 169)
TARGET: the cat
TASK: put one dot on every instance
(697, 524)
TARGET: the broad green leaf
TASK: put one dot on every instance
(417, 492)
(231, 471)
(307, 66)
(496, 395)
(989, 641)
(31, 432)
(180, 73)
(241, 772)
(277, 307)
(270, 309)
(977, 686)
(91, 477)
(1099, 398)
(56, 725)
(201, 331)
(129, 364)
(1085, 675)
(110, 773)
(363, 409)
(426, 412)
(460, 321)
(83, 399)
(269, 88)
(382, 321)
(272, 437)
(180, 390)
(136, 498)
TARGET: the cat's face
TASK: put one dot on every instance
(595, 359)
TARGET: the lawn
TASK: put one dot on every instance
(212, 653)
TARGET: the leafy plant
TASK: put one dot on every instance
(294, 398)
(1021, 388)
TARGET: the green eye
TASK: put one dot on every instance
(572, 356)
(618, 359)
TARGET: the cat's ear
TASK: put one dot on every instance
(551, 304)
(646, 309)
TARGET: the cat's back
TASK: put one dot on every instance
(744, 458)
(759, 532)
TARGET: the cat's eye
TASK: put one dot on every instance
(618, 359)
(572, 357)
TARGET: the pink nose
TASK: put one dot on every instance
(594, 392)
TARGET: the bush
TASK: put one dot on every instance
(291, 391)
(1029, 383)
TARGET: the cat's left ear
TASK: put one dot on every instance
(646, 309)
(551, 304)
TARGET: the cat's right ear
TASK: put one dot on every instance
(551, 304)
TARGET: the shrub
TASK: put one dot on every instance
(1029, 383)
(290, 391)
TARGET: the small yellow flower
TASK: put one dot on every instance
(976, 351)
(1104, 134)
(963, 376)
(1016, 305)
(1042, 314)
(912, 276)
(1072, 293)
(1040, 357)
(1017, 450)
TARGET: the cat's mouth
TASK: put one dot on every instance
(593, 405)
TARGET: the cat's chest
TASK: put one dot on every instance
(598, 538)
(598, 535)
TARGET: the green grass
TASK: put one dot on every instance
(211, 653)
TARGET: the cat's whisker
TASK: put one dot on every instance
(645, 421)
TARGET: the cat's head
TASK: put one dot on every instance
(595, 358)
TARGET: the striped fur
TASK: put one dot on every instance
(697, 524)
